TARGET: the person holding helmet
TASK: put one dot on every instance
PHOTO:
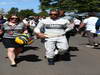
(12, 28)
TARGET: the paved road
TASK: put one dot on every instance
(84, 61)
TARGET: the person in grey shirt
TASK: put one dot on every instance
(11, 29)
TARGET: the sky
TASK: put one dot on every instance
(20, 4)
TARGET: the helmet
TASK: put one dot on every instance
(22, 39)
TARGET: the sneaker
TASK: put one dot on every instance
(96, 45)
(66, 57)
(51, 61)
(57, 58)
(89, 46)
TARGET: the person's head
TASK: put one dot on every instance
(54, 14)
(31, 17)
(61, 13)
(91, 14)
(1, 16)
(14, 19)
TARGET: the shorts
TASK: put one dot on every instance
(10, 43)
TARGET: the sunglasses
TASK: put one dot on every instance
(14, 18)
(54, 14)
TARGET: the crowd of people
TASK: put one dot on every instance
(55, 31)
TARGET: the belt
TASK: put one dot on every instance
(51, 36)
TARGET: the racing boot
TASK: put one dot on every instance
(51, 61)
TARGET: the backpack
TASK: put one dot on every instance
(98, 22)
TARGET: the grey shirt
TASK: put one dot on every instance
(53, 27)
(12, 31)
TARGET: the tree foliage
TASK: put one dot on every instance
(71, 5)
(13, 11)
(2, 11)
(43, 13)
(22, 13)
(67, 5)
(26, 13)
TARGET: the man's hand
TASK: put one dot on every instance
(41, 35)
(1, 32)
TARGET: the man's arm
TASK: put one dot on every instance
(70, 27)
(38, 32)
(82, 25)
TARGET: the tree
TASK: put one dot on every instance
(2, 11)
(43, 13)
(44, 4)
(13, 10)
(57, 4)
(21, 13)
(88, 5)
(26, 13)
(71, 5)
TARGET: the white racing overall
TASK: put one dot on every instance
(55, 29)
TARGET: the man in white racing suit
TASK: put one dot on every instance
(55, 29)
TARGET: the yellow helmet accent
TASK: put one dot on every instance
(19, 41)
(22, 39)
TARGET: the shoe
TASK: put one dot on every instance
(13, 65)
(45, 57)
(96, 45)
(66, 57)
(89, 46)
(51, 61)
(57, 58)
(6, 57)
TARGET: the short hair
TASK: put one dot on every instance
(56, 10)
(91, 14)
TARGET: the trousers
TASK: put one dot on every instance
(55, 43)
(91, 38)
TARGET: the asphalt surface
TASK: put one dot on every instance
(83, 60)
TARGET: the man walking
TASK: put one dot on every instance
(55, 40)
(90, 24)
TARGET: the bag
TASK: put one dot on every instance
(98, 22)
